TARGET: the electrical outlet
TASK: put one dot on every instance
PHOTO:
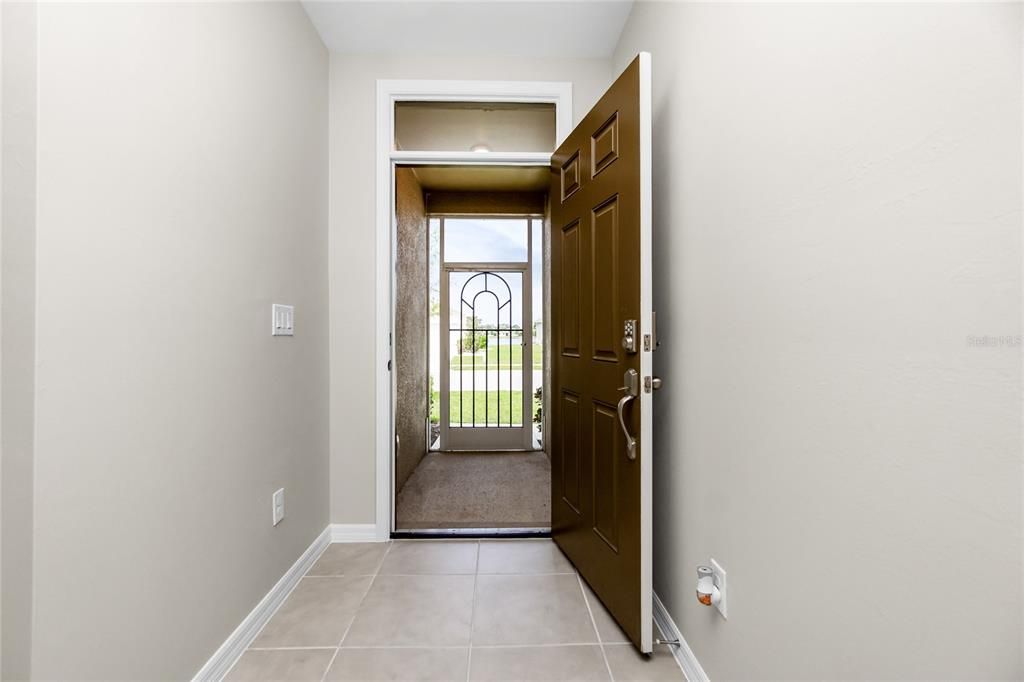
(278, 502)
(719, 575)
(282, 320)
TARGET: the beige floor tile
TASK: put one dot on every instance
(522, 557)
(316, 613)
(412, 665)
(607, 629)
(416, 610)
(282, 664)
(529, 664)
(416, 557)
(531, 609)
(359, 558)
(630, 666)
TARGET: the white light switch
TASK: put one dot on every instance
(278, 502)
(282, 320)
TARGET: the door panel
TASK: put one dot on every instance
(601, 278)
(570, 450)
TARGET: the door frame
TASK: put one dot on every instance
(389, 93)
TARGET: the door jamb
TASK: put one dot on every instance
(390, 92)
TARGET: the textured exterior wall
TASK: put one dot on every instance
(410, 326)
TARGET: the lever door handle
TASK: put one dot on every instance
(630, 441)
(632, 390)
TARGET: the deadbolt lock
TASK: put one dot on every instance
(629, 336)
(651, 384)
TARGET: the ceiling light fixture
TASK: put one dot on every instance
(479, 148)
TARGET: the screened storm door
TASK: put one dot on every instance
(486, 357)
(601, 447)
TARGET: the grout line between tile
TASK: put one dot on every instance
(472, 613)
(330, 663)
(289, 648)
(355, 614)
(340, 575)
(442, 647)
(593, 622)
(526, 574)
(424, 575)
(549, 645)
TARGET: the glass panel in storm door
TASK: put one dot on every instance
(486, 338)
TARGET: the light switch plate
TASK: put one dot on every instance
(719, 575)
(282, 320)
(278, 502)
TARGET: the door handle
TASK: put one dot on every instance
(632, 389)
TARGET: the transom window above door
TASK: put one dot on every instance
(475, 126)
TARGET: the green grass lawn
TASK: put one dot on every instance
(500, 357)
(511, 406)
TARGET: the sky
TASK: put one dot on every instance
(488, 240)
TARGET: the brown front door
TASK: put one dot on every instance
(601, 285)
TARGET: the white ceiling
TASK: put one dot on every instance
(547, 28)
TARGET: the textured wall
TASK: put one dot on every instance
(182, 190)
(410, 326)
(837, 209)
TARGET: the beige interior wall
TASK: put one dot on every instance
(17, 336)
(353, 276)
(182, 190)
(411, 404)
(837, 212)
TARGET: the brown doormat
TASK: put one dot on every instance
(477, 490)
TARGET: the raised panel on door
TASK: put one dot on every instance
(570, 446)
(601, 278)
(604, 281)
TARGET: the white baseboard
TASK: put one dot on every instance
(683, 653)
(235, 645)
(355, 532)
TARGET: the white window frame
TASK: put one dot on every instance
(389, 93)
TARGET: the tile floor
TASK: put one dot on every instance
(446, 610)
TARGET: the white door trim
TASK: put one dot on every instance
(646, 359)
(390, 92)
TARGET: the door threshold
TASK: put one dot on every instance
(470, 533)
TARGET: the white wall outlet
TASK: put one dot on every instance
(719, 574)
(282, 320)
(278, 502)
